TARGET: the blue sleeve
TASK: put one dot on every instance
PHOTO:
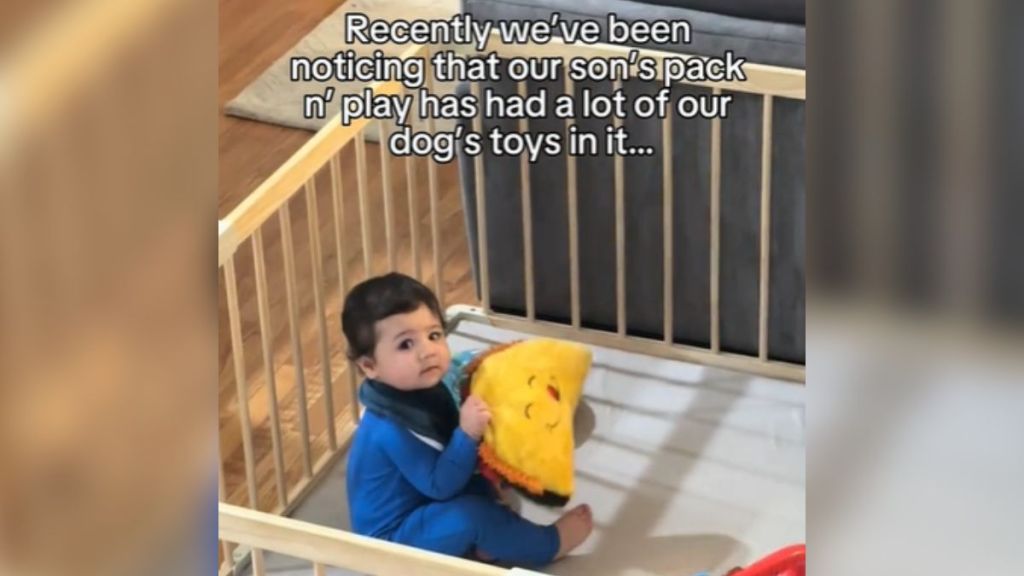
(437, 475)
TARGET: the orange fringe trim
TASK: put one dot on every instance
(511, 475)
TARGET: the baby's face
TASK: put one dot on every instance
(411, 351)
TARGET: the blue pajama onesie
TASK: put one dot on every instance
(402, 489)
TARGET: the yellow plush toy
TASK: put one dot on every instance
(532, 388)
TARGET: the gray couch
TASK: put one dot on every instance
(763, 32)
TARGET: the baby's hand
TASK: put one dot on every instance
(474, 417)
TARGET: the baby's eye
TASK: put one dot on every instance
(405, 344)
(436, 335)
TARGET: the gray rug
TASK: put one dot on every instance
(275, 99)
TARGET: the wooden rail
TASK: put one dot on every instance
(330, 547)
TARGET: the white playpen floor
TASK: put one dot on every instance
(687, 468)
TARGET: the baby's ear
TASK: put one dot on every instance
(368, 366)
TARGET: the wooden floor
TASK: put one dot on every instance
(254, 33)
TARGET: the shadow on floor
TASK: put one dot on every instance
(678, 555)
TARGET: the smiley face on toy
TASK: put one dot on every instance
(532, 389)
(547, 401)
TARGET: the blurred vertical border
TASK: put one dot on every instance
(107, 289)
(916, 287)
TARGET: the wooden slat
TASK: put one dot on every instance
(364, 205)
(414, 213)
(266, 339)
(574, 232)
(435, 220)
(634, 344)
(259, 563)
(338, 203)
(527, 205)
(667, 191)
(328, 459)
(389, 208)
(292, 301)
(227, 549)
(334, 547)
(435, 233)
(353, 389)
(481, 213)
(342, 257)
(620, 233)
(716, 193)
(766, 211)
(760, 78)
(318, 569)
(318, 304)
(241, 385)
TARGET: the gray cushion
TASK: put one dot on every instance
(791, 11)
(776, 43)
(740, 218)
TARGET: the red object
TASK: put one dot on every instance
(789, 561)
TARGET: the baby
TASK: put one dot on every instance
(412, 466)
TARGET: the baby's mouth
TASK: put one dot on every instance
(429, 370)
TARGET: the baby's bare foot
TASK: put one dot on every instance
(482, 556)
(573, 528)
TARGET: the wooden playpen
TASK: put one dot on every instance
(246, 533)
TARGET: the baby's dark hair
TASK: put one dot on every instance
(377, 298)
